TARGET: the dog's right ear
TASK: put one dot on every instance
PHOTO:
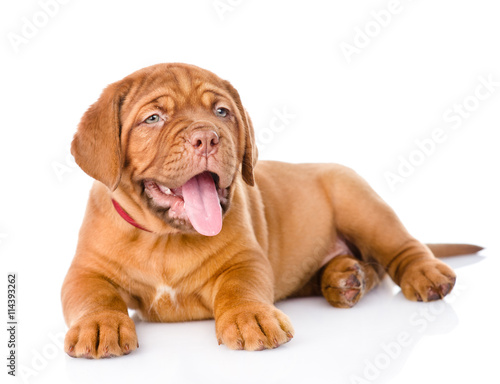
(96, 144)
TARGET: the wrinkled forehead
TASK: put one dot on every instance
(173, 88)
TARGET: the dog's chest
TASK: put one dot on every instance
(164, 303)
(164, 294)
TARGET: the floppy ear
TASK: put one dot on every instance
(96, 144)
(250, 152)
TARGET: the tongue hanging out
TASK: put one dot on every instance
(202, 204)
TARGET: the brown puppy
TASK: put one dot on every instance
(183, 224)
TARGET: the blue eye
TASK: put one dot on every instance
(222, 112)
(152, 119)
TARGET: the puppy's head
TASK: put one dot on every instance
(175, 138)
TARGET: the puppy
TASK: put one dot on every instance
(183, 223)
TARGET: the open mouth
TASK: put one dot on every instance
(199, 201)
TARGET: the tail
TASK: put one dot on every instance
(445, 250)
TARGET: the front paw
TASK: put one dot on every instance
(101, 334)
(253, 327)
(427, 280)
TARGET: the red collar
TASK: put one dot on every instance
(126, 216)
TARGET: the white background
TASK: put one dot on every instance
(365, 110)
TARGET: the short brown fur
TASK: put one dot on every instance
(280, 235)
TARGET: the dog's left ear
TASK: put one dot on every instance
(250, 152)
(96, 144)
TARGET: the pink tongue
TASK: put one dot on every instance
(202, 204)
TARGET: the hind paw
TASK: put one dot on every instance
(343, 287)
